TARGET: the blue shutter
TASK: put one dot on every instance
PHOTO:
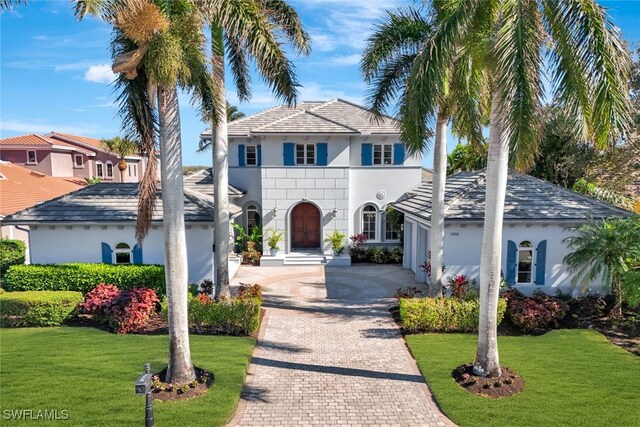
(398, 154)
(106, 253)
(259, 155)
(137, 254)
(241, 155)
(289, 153)
(367, 154)
(322, 152)
(512, 253)
(541, 262)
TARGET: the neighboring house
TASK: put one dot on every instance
(21, 188)
(315, 168)
(97, 224)
(537, 215)
(65, 155)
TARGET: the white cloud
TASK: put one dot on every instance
(99, 74)
(345, 59)
(38, 127)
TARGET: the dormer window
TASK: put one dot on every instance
(32, 157)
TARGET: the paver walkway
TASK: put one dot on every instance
(329, 352)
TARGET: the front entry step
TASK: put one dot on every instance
(305, 259)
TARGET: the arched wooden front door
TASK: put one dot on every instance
(305, 226)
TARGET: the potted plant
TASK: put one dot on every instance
(337, 242)
(274, 237)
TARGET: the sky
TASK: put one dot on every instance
(55, 72)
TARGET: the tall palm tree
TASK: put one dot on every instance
(121, 147)
(233, 113)
(159, 45)
(387, 64)
(581, 47)
(247, 30)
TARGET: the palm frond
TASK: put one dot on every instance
(388, 84)
(518, 78)
(239, 64)
(288, 21)
(11, 4)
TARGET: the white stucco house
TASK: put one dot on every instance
(97, 225)
(537, 218)
(315, 168)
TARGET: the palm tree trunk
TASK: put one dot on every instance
(487, 361)
(180, 369)
(437, 203)
(220, 150)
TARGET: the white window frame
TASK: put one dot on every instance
(381, 148)
(127, 251)
(108, 167)
(35, 157)
(307, 151)
(384, 228)
(522, 248)
(246, 155)
(75, 161)
(376, 220)
(100, 171)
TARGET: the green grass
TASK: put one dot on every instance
(91, 374)
(572, 378)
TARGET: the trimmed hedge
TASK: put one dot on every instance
(12, 252)
(443, 314)
(236, 316)
(38, 308)
(83, 277)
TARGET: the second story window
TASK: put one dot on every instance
(251, 155)
(78, 161)
(383, 154)
(305, 154)
(32, 157)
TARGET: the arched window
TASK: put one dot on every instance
(253, 217)
(109, 167)
(369, 221)
(123, 253)
(525, 262)
(99, 170)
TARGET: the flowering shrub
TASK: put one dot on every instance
(463, 288)
(123, 311)
(534, 313)
(426, 266)
(443, 314)
(247, 291)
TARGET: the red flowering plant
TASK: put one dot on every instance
(98, 300)
(533, 314)
(357, 250)
(463, 288)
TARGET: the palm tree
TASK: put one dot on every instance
(248, 30)
(121, 147)
(467, 157)
(607, 249)
(233, 113)
(588, 65)
(387, 65)
(157, 47)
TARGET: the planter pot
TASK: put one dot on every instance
(273, 252)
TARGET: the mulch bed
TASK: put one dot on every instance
(204, 380)
(508, 384)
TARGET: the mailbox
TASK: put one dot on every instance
(143, 387)
(143, 384)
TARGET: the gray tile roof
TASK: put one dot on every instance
(202, 182)
(324, 117)
(110, 203)
(527, 199)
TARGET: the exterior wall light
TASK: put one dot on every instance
(334, 212)
(275, 212)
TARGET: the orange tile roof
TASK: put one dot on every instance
(21, 188)
(32, 139)
(82, 139)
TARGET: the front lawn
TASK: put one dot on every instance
(91, 374)
(572, 378)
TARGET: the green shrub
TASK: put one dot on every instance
(443, 314)
(233, 316)
(38, 308)
(12, 252)
(83, 277)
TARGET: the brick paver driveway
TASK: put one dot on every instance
(330, 354)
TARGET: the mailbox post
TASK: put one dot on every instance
(143, 386)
